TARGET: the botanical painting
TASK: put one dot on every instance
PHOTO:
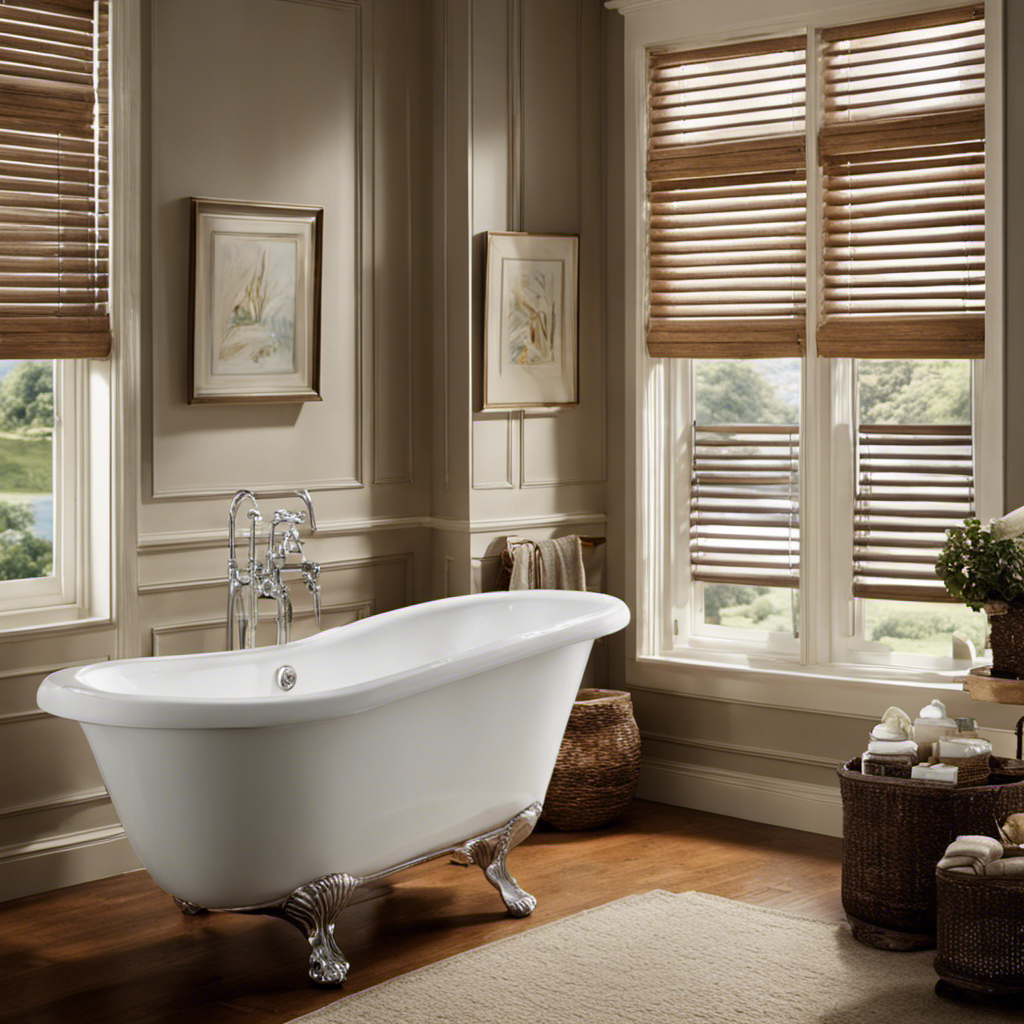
(253, 309)
(530, 321)
(254, 292)
(532, 295)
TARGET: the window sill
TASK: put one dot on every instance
(851, 691)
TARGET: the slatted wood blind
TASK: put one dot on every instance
(902, 152)
(914, 482)
(726, 183)
(745, 505)
(53, 179)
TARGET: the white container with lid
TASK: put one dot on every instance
(930, 725)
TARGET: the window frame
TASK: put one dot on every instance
(658, 419)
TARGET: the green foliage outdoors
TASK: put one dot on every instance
(23, 555)
(26, 466)
(889, 391)
(733, 391)
(977, 568)
(26, 397)
(914, 391)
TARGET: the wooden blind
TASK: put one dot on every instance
(53, 179)
(914, 482)
(726, 182)
(902, 153)
(745, 505)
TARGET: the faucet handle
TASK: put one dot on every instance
(284, 515)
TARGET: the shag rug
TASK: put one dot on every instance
(666, 958)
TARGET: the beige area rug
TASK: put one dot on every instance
(665, 957)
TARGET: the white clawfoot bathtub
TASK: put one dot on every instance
(422, 731)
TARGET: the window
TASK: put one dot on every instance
(816, 309)
(54, 308)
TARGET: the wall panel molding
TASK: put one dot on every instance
(38, 673)
(88, 796)
(161, 634)
(385, 391)
(552, 521)
(195, 540)
(807, 760)
(799, 805)
(334, 566)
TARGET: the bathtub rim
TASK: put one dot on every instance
(66, 694)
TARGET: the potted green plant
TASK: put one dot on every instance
(983, 566)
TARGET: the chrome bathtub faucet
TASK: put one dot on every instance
(261, 578)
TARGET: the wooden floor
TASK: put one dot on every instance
(118, 950)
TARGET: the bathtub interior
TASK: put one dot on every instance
(387, 645)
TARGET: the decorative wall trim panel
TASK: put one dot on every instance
(44, 864)
(799, 805)
(383, 394)
(40, 672)
(57, 629)
(520, 523)
(363, 609)
(67, 841)
(740, 749)
(508, 483)
(195, 540)
(339, 484)
(337, 565)
(516, 198)
(88, 796)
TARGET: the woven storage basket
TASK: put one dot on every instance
(894, 833)
(598, 764)
(980, 934)
(1006, 639)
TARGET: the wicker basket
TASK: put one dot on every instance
(894, 833)
(1006, 638)
(980, 934)
(598, 765)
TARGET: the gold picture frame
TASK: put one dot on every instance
(254, 295)
(531, 317)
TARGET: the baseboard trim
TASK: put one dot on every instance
(799, 805)
(57, 861)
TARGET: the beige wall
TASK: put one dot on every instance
(418, 127)
(518, 136)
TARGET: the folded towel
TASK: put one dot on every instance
(976, 852)
(1009, 867)
(892, 747)
(547, 564)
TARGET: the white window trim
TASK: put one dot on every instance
(653, 438)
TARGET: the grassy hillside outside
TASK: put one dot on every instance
(26, 463)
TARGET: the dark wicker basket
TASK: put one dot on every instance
(981, 934)
(598, 764)
(1006, 639)
(894, 833)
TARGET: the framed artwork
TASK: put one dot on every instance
(254, 294)
(531, 317)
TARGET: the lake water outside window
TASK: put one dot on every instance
(26, 469)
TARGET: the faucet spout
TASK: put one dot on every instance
(262, 578)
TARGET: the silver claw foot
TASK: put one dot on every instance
(191, 909)
(489, 852)
(313, 908)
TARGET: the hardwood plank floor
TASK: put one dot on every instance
(117, 950)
